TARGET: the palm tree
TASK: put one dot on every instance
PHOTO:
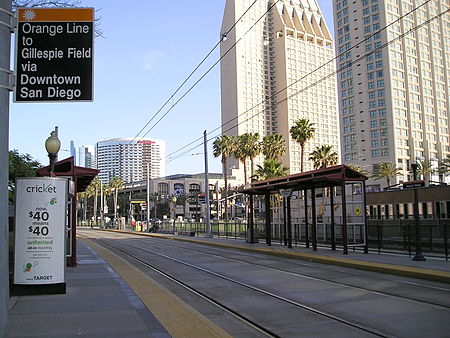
(324, 157)
(358, 169)
(90, 192)
(273, 147)
(424, 168)
(240, 152)
(82, 196)
(116, 184)
(386, 170)
(302, 131)
(224, 146)
(253, 149)
(95, 184)
(269, 169)
(444, 166)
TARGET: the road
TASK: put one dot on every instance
(256, 295)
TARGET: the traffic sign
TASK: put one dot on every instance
(54, 54)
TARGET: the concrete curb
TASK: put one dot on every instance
(406, 271)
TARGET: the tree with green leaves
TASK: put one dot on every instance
(253, 149)
(324, 156)
(444, 166)
(302, 131)
(95, 184)
(247, 147)
(424, 169)
(386, 170)
(270, 169)
(273, 147)
(223, 146)
(115, 185)
(240, 154)
(358, 169)
(20, 165)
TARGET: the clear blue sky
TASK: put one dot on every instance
(149, 49)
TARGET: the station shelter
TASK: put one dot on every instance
(326, 206)
(81, 178)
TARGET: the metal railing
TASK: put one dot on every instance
(384, 235)
(399, 236)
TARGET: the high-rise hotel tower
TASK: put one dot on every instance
(277, 70)
(127, 158)
(393, 89)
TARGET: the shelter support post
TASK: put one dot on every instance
(344, 218)
(251, 220)
(305, 192)
(289, 222)
(333, 233)
(366, 235)
(268, 219)
(284, 222)
(314, 219)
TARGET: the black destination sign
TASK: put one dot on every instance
(54, 54)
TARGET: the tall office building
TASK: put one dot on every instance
(73, 152)
(127, 158)
(394, 98)
(86, 157)
(265, 78)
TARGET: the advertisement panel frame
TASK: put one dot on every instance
(40, 231)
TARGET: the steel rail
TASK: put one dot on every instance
(357, 325)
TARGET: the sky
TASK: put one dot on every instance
(148, 50)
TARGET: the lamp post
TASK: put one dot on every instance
(418, 255)
(52, 145)
(174, 201)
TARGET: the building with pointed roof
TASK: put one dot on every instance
(281, 69)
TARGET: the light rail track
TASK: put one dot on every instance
(122, 249)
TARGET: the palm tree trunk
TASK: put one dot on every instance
(116, 192)
(95, 206)
(85, 208)
(245, 172)
(301, 156)
(225, 173)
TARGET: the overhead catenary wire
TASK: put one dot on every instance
(304, 77)
(190, 75)
(209, 70)
(346, 67)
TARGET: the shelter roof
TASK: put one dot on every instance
(81, 175)
(325, 177)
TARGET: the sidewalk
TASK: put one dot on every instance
(98, 303)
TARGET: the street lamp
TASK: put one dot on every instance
(52, 145)
(418, 256)
(174, 201)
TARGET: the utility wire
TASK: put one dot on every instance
(209, 69)
(399, 37)
(192, 73)
(304, 77)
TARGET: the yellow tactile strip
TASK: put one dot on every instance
(177, 317)
(399, 270)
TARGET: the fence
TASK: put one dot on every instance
(395, 236)
(400, 236)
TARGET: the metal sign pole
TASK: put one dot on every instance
(5, 81)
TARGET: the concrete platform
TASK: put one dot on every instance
(98, 303)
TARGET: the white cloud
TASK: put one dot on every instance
(152, 58)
